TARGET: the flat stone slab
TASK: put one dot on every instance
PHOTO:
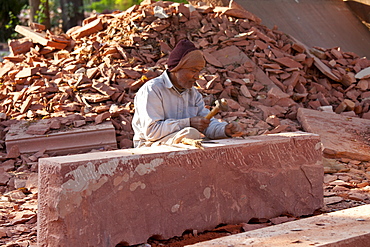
(127, 196)
(61, 142)
(341, 136)
(349, 227)
(230, 55)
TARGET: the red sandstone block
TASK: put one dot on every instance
(101, 117)
(341, 136)
(288, 62)
(131, 73)
(230, 55)
(212, 59)
(127, 196)
(20, 46)
(88, 29)
(38, 129)
(26, 104)
(37, 26)
(298, 47)
(103, 88)
(348, 227)
(67, 141)
(38, 37)
(5, 68)
(26, 72)
(366, 115)
(12, 152)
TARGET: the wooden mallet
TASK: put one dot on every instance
(221, 105)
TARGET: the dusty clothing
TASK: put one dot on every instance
(160, 110)
(177, 137)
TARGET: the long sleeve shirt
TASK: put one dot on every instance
(161, 110)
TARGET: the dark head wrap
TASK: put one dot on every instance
(181, 49)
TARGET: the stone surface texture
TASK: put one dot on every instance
(341, 136)
(127, 196)
(349, 227)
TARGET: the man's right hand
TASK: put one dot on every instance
(200, 123)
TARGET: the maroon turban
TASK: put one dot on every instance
(181, 49)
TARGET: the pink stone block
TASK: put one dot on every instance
(341, 136)
(126, 196)
(345, 228)
(61, 142)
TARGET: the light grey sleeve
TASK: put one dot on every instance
(153, 125)
(216, 129)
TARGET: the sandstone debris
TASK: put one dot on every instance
(91, 74)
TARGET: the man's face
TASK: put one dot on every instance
(187, 77)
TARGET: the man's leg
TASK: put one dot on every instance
(176, 137)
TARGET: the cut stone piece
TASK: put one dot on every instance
(38, 37)
(349, 227)
(341, 136)
(230, 55)
(129, 195)
(62, 142)
(90, 28)
(365, 73)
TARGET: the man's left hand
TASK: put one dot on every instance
(233, 129)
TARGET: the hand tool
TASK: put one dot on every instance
(221, 105)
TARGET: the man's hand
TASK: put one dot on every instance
(233, 129)
(200, 123)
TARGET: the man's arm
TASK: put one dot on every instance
(233, 129)
(215, 129)
(149, 109)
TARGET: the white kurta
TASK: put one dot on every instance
(160, 110)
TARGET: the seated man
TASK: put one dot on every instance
(168, 107)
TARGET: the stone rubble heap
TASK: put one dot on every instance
(92, 72)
